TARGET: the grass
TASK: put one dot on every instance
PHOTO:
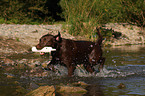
(17, 39)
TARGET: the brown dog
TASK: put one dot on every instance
(71, 53)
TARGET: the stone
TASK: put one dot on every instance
(8, 68)
(121, 86)
(33, 86)
(22, 61)
(42, 91)
(8, 61)
(80, 83)
(10, 76)
(69, 89)
(44, 64)
(32, 65)
(20, 91)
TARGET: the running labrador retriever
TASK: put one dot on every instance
(71, 52)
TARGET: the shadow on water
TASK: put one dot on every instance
(123, 74)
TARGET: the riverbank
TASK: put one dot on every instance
(30, 34)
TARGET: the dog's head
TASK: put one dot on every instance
(49, 41)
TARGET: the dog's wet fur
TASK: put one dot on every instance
(71, 52)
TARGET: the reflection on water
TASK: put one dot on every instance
(125, 55)
(129, 48)
(124, 65)
(127, 64)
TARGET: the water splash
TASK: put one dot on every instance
(60, 70)
(81, 72)
(120, 71)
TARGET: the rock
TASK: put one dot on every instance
(16, 82)
(8, 68)
(95, 90)
(10, 76)
(32, 65)
(44, 64)
(80, 83)
(42, 91)
(22, 61)
(68, 89)
(37, 63)
(44, 74)
(33, 86)
(121, 86)
(83, 83)
(20, 66)
(20, 91)
(8, 61)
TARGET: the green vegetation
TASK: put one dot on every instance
(85, 15)
(81, 16)
(29, 11)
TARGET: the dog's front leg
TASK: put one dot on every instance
(54, 61)
(55, 58)
(71, 69)
(50, 66)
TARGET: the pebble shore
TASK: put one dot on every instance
(17, 38)
(23, 37)
(131, 34)
(28, 34)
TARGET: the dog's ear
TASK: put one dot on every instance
(58, 37)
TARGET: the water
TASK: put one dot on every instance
(124, 65)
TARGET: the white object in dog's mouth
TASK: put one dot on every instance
(44, 50)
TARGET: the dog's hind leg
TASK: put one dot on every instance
(102, 61)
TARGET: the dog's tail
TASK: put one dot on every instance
(99, 41)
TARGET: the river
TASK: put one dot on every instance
(122, 75)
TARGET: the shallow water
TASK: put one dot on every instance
(124, 65)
